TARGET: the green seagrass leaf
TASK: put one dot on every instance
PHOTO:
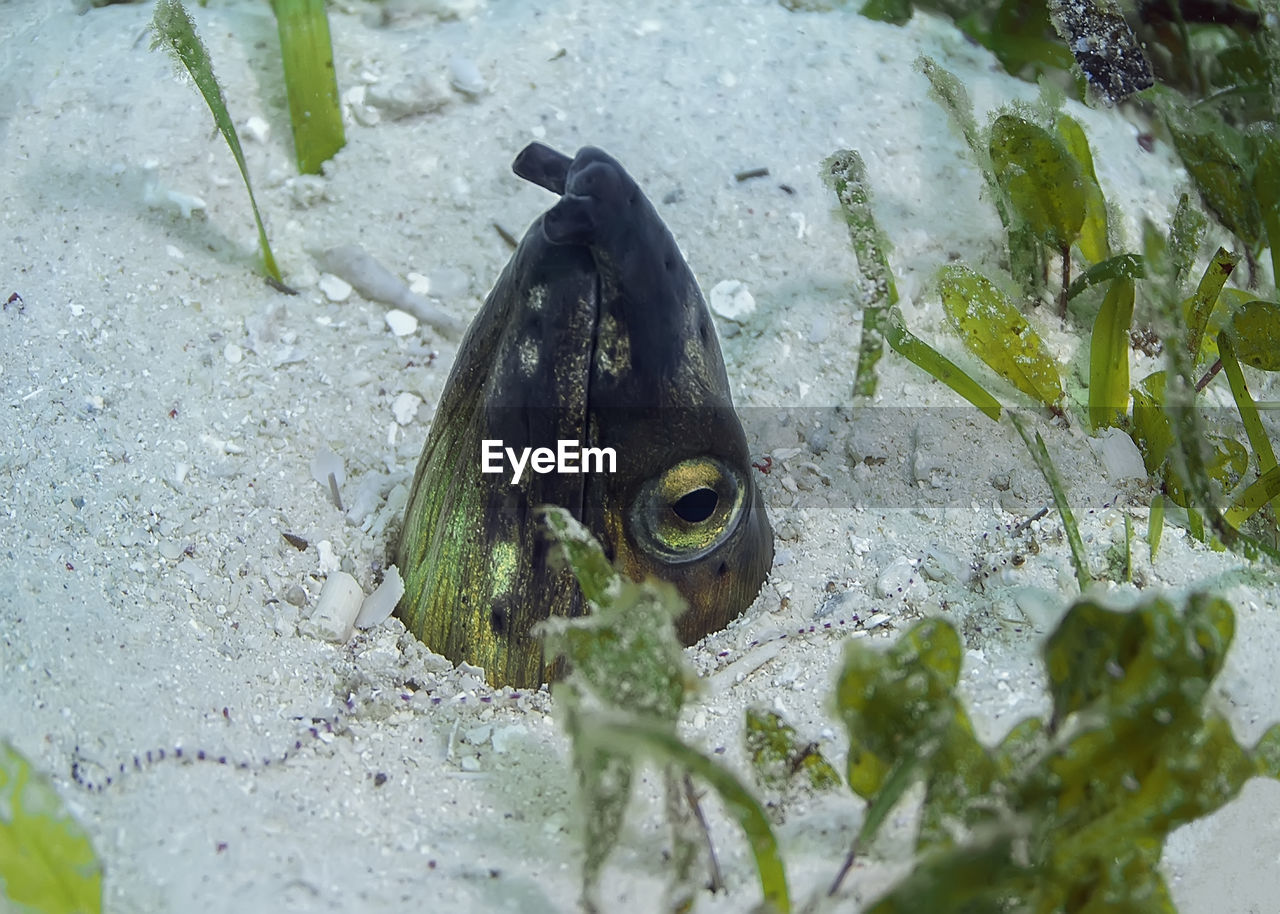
(1255, 334)
(625, 652)
(997, 333)
(1109, 356)
(778, 756)
(1150, 428)
(1093, 241)
(1044, 183)
(47, 863)
(1215, 157)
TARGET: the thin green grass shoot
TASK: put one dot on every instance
(847, 176)
(1249, 417)
(1206, 296)
(1121, 266)
(1040, 455)
(306, 50)
(1249, 502)
(920, 353)
(1155, 525)
(1025, 261)
(176, 33)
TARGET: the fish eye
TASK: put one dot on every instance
(688, 510)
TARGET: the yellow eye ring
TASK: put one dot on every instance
(685, 512)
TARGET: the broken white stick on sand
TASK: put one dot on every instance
(376, 283)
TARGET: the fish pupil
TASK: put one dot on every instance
(696, 506)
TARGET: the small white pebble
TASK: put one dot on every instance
(419, 284)
(335, 288)
(329, 560)
(76, 310)
(174, 252)
(732, 300)
(257, 129)
(232, 353)
(405, 407)
(465, 76)
(402, 323)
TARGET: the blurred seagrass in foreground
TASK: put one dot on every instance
(1065, 814)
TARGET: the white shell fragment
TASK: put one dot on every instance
(336, 610)
(465, 76)
(382, 602)
(257, 129)
(325, 462)
(335, 288)
(402, 323)
(376, 283)
(405, 407)
(1119, 455)
(732, 300)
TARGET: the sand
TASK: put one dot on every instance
(163, 406)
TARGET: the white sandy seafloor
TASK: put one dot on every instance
(162, 405)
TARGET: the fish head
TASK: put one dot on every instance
(596, 334)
